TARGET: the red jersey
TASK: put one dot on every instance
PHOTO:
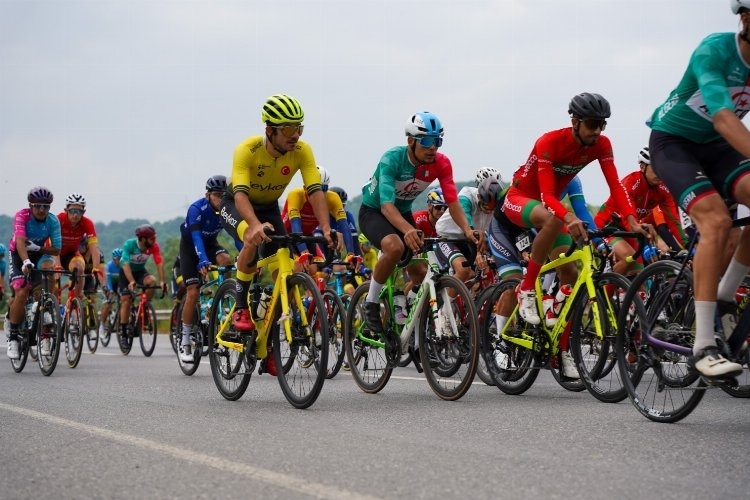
(644, 197)
(73, 238)
(422, 218)
(555, 159)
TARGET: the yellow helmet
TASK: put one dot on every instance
(362, 239)
(282, 108)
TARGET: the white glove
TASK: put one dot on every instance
(28, 264)
(32, 247)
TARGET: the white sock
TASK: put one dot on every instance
(374, 293)
(500, 322)
(732, 278)
(704, 325)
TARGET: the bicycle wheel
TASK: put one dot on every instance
(336, 319)
(147, 329)
(49, 335)
(175, 316)
(23, 348)
(73, 328)
(658, 381)
(455, 351)
(308, 346)
(112, 324)
(594, 356)
(365, 350)
(486, 315)
(196, 344)
(92, 326)
(231, 369)
(131, 324)
(513, 367)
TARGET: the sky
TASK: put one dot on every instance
(135, 103)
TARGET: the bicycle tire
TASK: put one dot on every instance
(486, 317)
(112, 324)
(23, 347)
(336, 320)
(73, 328)
(196, 344)
(92, 326)
(147, 330)
(456, 351)
(595, 357)
(309, 346)
(175, 316)
(657, 382)
(230, 368)
(514, 368)
(48, 303)
(367, 361)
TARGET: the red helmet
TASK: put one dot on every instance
(145, 231)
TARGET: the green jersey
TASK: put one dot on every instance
(716, 78)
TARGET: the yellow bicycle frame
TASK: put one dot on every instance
(281, 265)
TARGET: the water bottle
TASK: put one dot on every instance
(548, 306)
(263, 301)
(399, 305)
(31, 311)
(562, 294)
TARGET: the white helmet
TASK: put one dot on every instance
(485, 173)
(736, 5)
(644, 156)
(324, 178)
(75, 199)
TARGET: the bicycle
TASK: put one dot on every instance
(73, 314)
(112, 321)
(41, 327)
(141, 323)
(657, 333)
(515, 355)
(90, 313)
(298, 342)
(443, 316)
(199, 337)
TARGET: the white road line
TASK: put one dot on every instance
(273, 478)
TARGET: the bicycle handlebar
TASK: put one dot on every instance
(430, 242)
(291, 241)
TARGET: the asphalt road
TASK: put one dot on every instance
(135, 427)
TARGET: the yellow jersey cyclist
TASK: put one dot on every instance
(385, 216)
(262, 168)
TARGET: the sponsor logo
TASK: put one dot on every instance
(255, 148)
(285, 170)
(500, 249)
(686, 201)
(667, 106)
(512, 207)
(267, 187)
(231, 221)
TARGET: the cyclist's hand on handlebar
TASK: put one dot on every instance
(258, 233)
(576, 229)
(645, 229)
(27, 266)
(164, 287)
(413, 239)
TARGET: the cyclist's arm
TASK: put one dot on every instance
(574, 190)
(336, 210)
(199, 247)
(320, 208)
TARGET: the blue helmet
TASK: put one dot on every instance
(435, 197)
(2, 249)
(424, 123)
(117, 253)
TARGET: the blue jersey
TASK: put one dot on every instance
(202, 225)
(113, 274)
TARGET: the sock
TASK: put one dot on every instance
(500, 322)
(532, 273)
(186, 329)
(732, 278)
(704, 325)
(374, 293)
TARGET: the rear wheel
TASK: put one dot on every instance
(92, 326)
(49, 335)
(23, 348)
(146, 329)
(449, 356)
(336, 310)
(175, 317)
(73, 328)
(365, 351)
(196, 344)
(486, 315)
(112, 323)
(230, 367)
(305, 350)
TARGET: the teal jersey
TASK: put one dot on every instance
(137, 258)
(716, 78)
(397, 180)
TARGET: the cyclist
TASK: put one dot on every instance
(299, 217)
(533, 198)
(32, 228)
(263, 166)
(369, 254)
(112, 274)
(3, 271)
(478, 204)
(78, 237)
(700, 149)
(647, 193)
(199, 248)
(385, 216)
(436, 207)
(135, 254)
(176, 282)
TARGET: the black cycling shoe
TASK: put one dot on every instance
(392, 348)
(372, 316)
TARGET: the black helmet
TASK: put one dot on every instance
(587, 105)
(340, 191)
(40, 194)
(216, 183)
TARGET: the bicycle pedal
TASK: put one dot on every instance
(729, 382)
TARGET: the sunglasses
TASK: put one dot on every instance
(76, 211)
(440, 208)
(594, 123)
(289, 130)
(428, 141)
(40, 206)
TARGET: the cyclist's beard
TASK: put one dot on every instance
(147, 244)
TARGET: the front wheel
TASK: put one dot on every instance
(449, 355)
(146, 327)
(92, 327)
(303, 349)
(196, 344)
(49, 333)
(336, 310)
(73, 328)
